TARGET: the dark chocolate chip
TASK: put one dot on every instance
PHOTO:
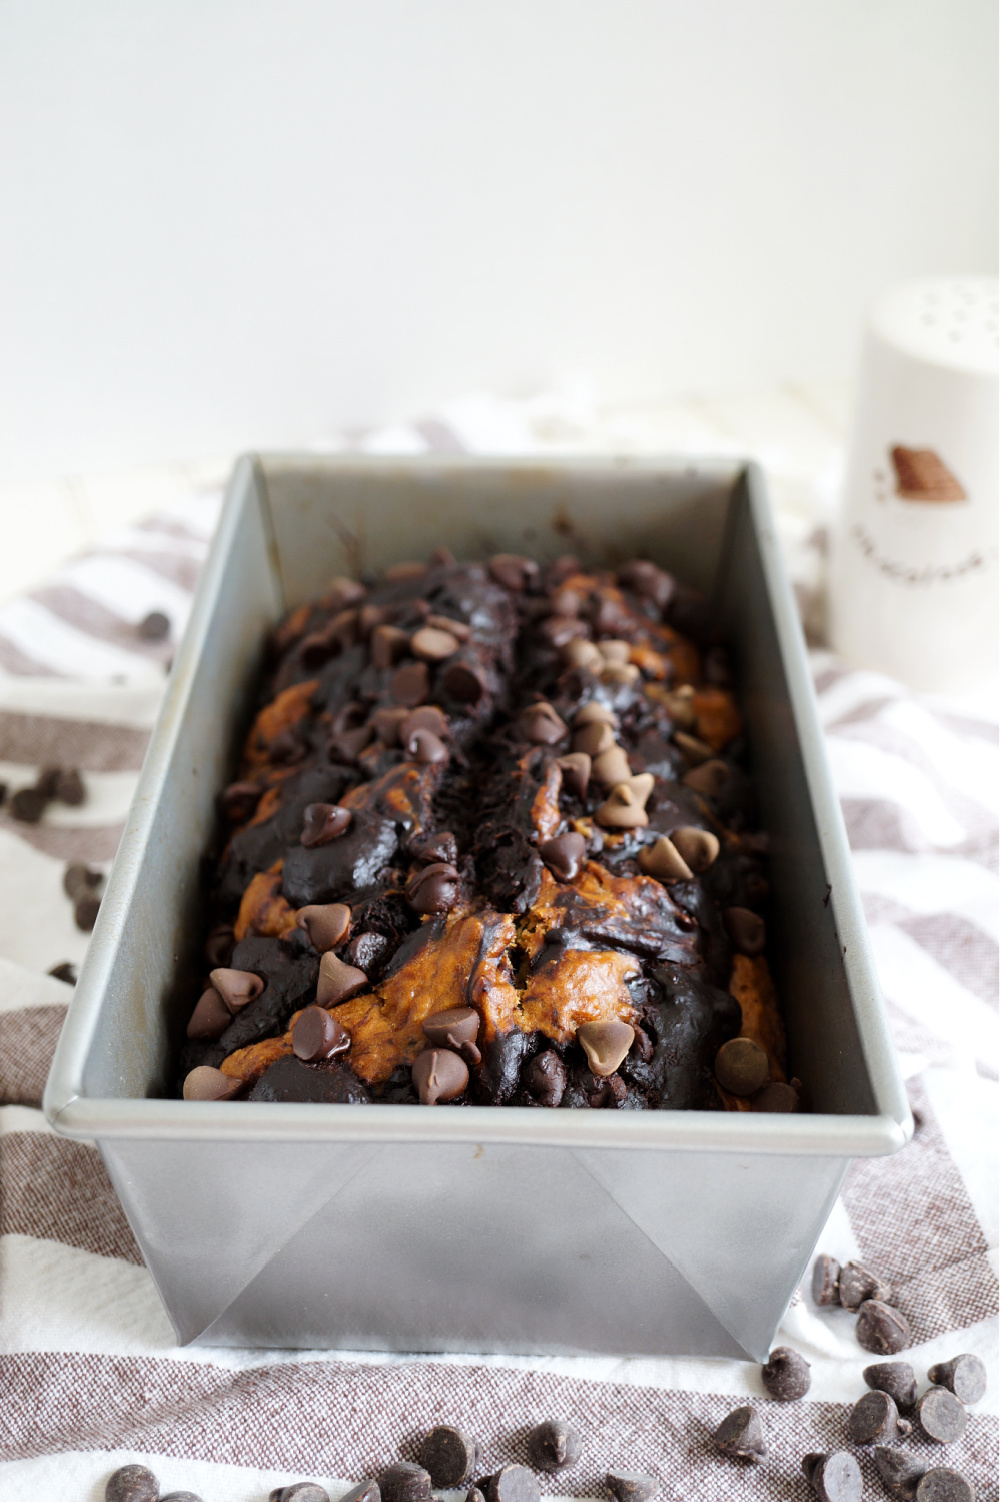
(69, 787)
(941, 1415)
(388, 645)
(345, 746)
(880, 1329)
(368, 952)
(210, 1017)
(410, 684)
(27, 805)
(900, 1472)
(323, 822)
(47, 780)
(300, 1491)
(317, 1035)
(434, 889)
(428, 848)
(155, 626)
(554, 1445)
(826, 1281)
(545, 1078)
(897, 1378)
(365, 1491)
(386, 724)
(449, 1455)
(219, 945)
(64, 971)
(776, 1096)
(786, 1375)
(425, 748)
(564, 855)
(746, 929)
(858, 1283)
(462, 682)
(78, 879)
(457, 1028)
(630, 1486)
(964, 1375)
(741, 1066)
(404, 1482)
(85, 911)
(132, 1483)
(439, 1074)
(327, 924)
(875, 1420)
(180, 1497)
(834, 1478)
(426, 717)
(942, 1484)
(513, 571)
(475, 1495)
(742, 1435)
(239, 800)
(512, 1483)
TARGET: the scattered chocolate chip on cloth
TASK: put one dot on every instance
(90, 1377)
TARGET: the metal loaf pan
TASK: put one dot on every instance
(410, 1229)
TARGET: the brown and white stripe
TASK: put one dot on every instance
(88, 1370)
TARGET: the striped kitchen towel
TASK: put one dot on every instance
(90, 1376)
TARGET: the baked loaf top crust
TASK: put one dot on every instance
(514, 796)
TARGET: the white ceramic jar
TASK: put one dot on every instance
(913, 586)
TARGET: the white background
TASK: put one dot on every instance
(228, 223)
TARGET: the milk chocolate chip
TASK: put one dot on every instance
(625, 806)
(582, 654)
(513, 571)
(338, 982)
(664, 861)
(431, 644)
(605, 1044)
(741, 1066)
(425, 748)
(594, 738)
(210, 1017)
(710, 778)
(594, 712)
(439, 1074)
(611, 767)
(236, 987)
(575, 770)
(746, 930)
(206, 1083)
(699, 847)
(326, 923)
(540, 724)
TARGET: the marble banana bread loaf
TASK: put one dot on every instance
(493, 842)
